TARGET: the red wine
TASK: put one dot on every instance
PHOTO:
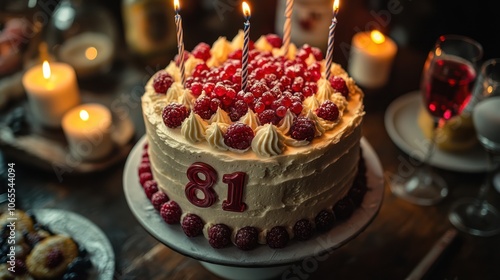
(448, 87)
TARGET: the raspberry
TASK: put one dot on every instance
(318, 55)
(171, 212)
(274, 40)
(192, 225)
(202, 51)
(202, 107)
(239, 136)
(277, 237)
(219, 236)
(174, 114)
(303, 229)
(237, 54)
(303, 129)
(343, 209)
(328, 111)
(144, 177)
(259, 107)
(324, 220)
(158, 198)
(20, 266)
(339, 85)
(268, 116)
(150, 188)
(296, 107)
(238, 110)
(162, 82)
(32, 238)
(247, 238)
(356, 194)
(54, 258)
(144, 167)
(196, 88)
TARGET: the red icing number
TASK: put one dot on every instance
(203, 185)
(234, 181)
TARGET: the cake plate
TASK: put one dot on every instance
(262, 262)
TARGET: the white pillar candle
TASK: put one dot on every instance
(90, 53)
(52, 90)
(371, 58)
(87, 129)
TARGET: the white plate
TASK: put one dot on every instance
(401, 123)
(263, 256)
(85, 233)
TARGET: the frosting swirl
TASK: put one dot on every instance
(268, 141)
(250, 119)
(193, 128)
(215, 135)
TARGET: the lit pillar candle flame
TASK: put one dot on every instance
(246, 46)
(331, 40)
(91, 53)
(180, 40)
(46, 70)
(377, 37)
(84, 115)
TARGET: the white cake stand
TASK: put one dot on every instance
(263, 262)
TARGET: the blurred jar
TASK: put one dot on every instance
(149, 28)
(310, 21)
(83, 34)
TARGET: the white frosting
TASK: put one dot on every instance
(250, 119)
(174, 71)
(191, 64)
(292, 51)
(215, 135)
(263, 45)
(220, 50)
(268, 141)
(193, 128)
(175, 91)
(238, 41)
(220, 116)
(286, 122)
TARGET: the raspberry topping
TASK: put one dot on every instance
(343, 208)
(174, 114)
(162, 82)
(247, 238)
(274, 40)
(277, 237)
(158, 198)
(144, 177)
(269, 116)
(303, 229)
(192, 225)
(303, 129)
(150, 188)
(20, 266)
(171, 212)
(54, 258)
(144, 167)
(239, 136)
(202, 51)
(202, 107)
(219, 236)
(339, 85)
(328, 111)
(324, 220)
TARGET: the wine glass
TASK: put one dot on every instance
(475, 215)
(447, 79)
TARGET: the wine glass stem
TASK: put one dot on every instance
(483, 191)
(425, 169)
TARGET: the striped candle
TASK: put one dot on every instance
(246, 46)
(287, 28)
(331, 40)
(180, 40)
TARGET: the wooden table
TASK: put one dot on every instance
(389, 248)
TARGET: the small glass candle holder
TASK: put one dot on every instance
(84, 35)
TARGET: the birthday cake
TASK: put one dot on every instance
(278, 161)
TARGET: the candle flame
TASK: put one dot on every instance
(91, 53)
(335, 6)
(84, 115)
(437, 52)
(46, 69)
(246, 9)
(177, 6)
(377, 37)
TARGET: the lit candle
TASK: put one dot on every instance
(246, 46)
(371, 58)
(331, 40)
(89, 53)
(87, 129)
(180, 40)
(287, 27)
(52, 90)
